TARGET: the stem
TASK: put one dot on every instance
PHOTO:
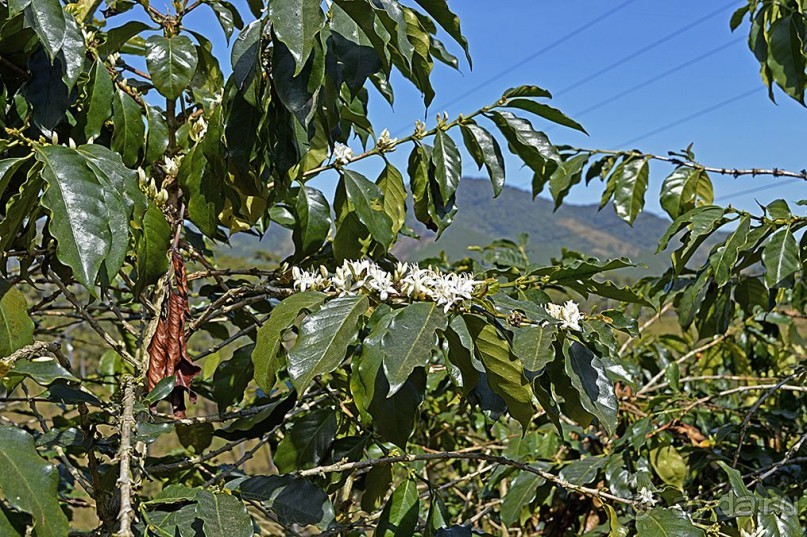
(127, 424)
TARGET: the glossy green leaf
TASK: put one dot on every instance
(392, 186)
(547, 112)
(781, 258)
(526, 91)
(29, 483)
(223, 515)
(521, 492)
(685, 188)
(296, 24)
(505, 373)
(313, 220)
(409, 340)
(152, 248)
(157, 139)
(16, 327)
(44, 370)
(324, 339)
(661, 522)
(171, 62)
(228, 15)
(669, 465)
(533, 346)
(447, 164)
(82, 213)
(786, 59)
(294, 500)
(724, 259)
(400, 515)
(532, 146)
(265, 357)
(129, 130)
(232, 377)
(582, 471)
(485, 150)
(99, 100)
(630, 189)
(589, 378)
(307, 442)
(442, 14)
(47, 18)
(367, 200)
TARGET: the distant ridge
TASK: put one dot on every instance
(482, 219)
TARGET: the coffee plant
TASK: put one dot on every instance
(153, 386)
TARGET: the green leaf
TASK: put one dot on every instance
(244, 57)
(130, 131)
(43, 370)
(521, 492)
(547, 112)
(173, 522)
(588, 376)
(16, 327)
(533, 346)
(8, 167)
(313, 221)
(368, 202)
(616, 527)
(376, 485)
(442, 14)
(409, 339)
(98, 103)
(660, 522)
(152, 248)
(630, 189)
(582, 471)
(532, 146)
(30, 484)
(685, 188)
(786, 59)
(171, 62)
(232, 377)
(669, 465)
(157, 139)
(781, 258)
(400, 516)
(267, 345)
(392, 186)
(47, 18)
(223, 515)
(700, 219)
(228, 15)
(723, 260)
(505, 373)
(83, 214)
(324, 339)
(160, 391)
(308, 441)
(293, 499)
(567, 174)
(393, 416)
(484, 149)
(526, 91)
(296, 24)
(447, 164)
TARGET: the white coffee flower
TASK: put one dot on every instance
(385, 141)
(305, 280)
(171, 165)
(418, 282)
(646, 497)
(342, 154)
(380, 281)
(198, 129)
(568, 314)
(758, 532)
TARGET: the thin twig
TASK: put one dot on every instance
(694, 352)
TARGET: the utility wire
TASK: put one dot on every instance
(610, 67)
(579, 30)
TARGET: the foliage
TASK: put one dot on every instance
(382, 398)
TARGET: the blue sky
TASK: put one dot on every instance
(677, 60)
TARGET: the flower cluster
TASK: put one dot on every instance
(386, 142)
(342, 154)
(568, 314)
(646, 497)
(406, 281)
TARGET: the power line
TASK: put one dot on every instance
(529, 58)
(646, 48)
(653, 79)
(692, 116)
(758, 189)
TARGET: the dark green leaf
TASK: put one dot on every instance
(547, 112)
(47, 18)
(400, 516)
(265, 357)
(630, 189)
(313, 221)
(43, 370)
(171, 63)
(130, 131)
(29, 483)
(781, 258)
(520, 493)
(324, 339)
(223, 515)
(294, 500)
(447, 164)
(308, 441)
(16, 327)
(484, 149)
(661, 522)
(99, 100)
(442, 14)
(152, 248)
(589, 378)
(162, 390)
(533, 346)
(296, 24)
(368, 202)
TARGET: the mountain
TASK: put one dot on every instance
(482, 219)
